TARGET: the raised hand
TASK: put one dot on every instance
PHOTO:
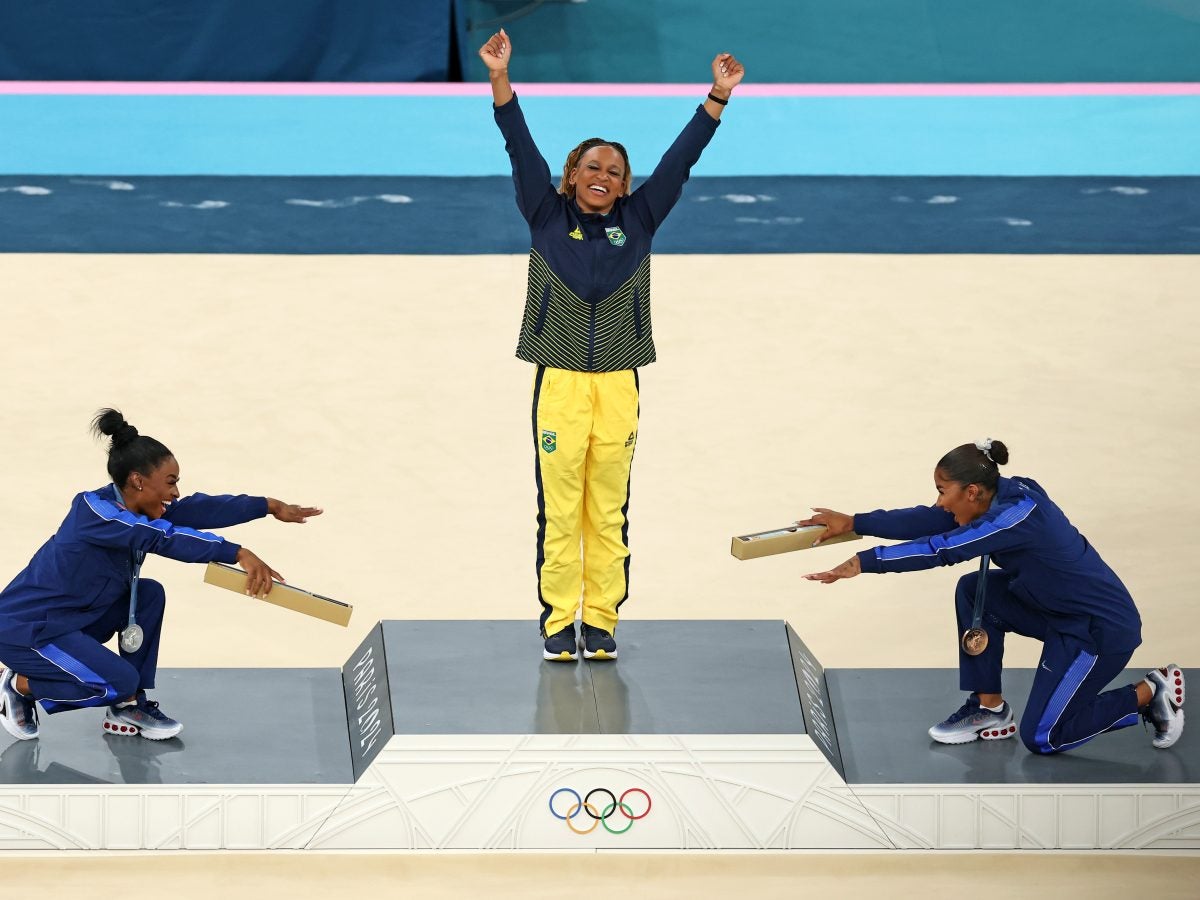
(496, 52)
(727, 74)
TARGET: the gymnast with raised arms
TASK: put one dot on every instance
(587, 329)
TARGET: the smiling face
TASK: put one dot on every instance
(598, 179)
(966, 502)
(149, 495)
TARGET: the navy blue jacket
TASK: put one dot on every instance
(1051, 565)
(587, 304)
(87, 565)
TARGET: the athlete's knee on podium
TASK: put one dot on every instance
(1029, 736)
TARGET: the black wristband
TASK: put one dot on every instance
(715, 99)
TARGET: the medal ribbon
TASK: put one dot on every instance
(139, 557)
(980, 591)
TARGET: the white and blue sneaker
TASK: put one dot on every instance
(972, 722)
(1165, 710)
(141, 717)
(18, 713)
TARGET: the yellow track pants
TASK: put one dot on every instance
(584, 432)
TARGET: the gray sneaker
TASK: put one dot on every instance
(143, 717)
(18, 713)
(1165, 711)
(972, 721)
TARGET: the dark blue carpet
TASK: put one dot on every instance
(786, 214)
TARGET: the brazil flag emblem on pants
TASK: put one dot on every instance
(549, 441)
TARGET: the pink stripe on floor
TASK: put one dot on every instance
(477, 89)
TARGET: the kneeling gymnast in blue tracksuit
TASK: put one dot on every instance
(83, 587)
(1051, 585)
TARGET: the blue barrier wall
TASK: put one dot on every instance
(227, 40)
(833, 41)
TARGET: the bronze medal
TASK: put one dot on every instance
(974, 641)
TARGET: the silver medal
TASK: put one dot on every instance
(131, 638)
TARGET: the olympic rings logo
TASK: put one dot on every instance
(599, 817)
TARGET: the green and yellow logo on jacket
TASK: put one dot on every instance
(549, 441)
(576, 234)
(616, 236)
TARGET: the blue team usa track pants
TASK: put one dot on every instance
(1068, 704)
(75, 670)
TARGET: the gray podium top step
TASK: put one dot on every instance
(290, 726)
(671, 677)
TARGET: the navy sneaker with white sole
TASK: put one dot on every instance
(560, 646)
(596, 643)
(972, 722)
(142, 717)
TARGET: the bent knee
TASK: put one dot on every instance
(124, 682)
(151, 592)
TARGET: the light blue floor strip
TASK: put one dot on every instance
(455, 136)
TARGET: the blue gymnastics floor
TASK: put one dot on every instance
(787, 214)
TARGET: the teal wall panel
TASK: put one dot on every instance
(833, 41)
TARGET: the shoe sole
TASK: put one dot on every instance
(565, 656)
(126, 730)
(1174, 677)
(599, 654)
(1175, 697)
(988, 734)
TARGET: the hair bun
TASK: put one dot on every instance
(110, 423)
(999, 453)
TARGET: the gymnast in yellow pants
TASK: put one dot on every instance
(587, 328)
(585, 425)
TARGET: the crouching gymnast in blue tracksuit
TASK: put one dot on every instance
(1051, 585)
(82, 588)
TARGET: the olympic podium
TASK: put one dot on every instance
(704, 735)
